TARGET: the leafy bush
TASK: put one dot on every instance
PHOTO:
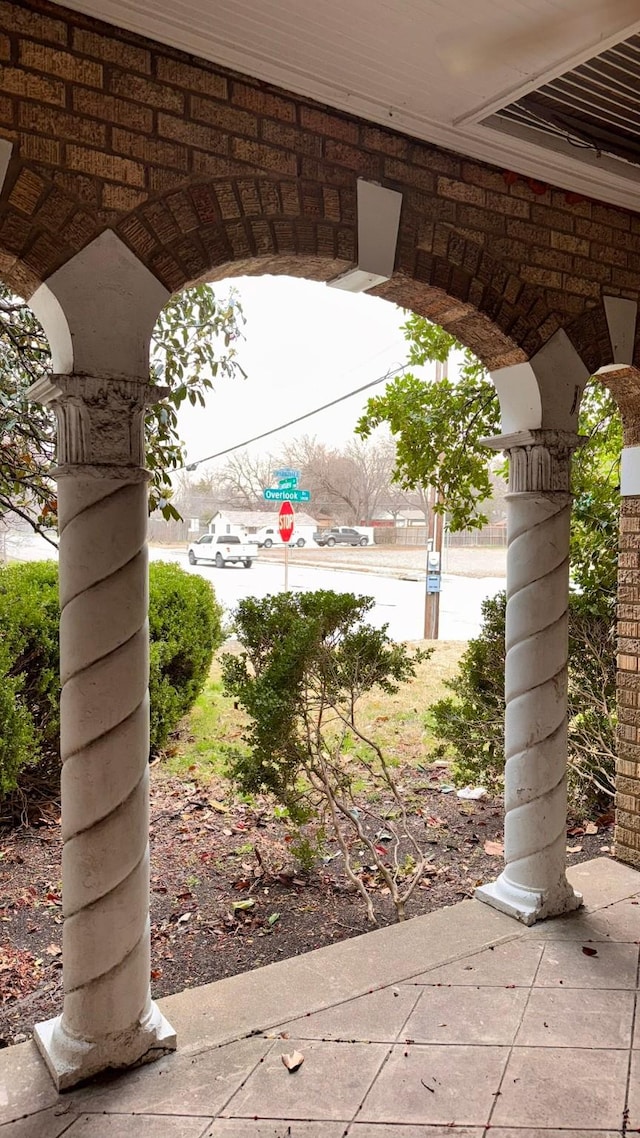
(307, 661)
(472, 723)
(185, 623)
(29, 617)
(185, 628)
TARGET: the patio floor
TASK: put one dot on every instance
(460, 1023)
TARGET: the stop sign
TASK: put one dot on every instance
(285, 521)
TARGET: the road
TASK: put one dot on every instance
(399, 602)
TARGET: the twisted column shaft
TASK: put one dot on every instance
(533, 884)
(108, 1018)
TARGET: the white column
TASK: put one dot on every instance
(108, 1018)
(533, 884)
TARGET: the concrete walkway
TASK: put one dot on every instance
(460, 1023)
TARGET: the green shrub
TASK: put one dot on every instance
(185, 628)
(471, 724)
(29, 618)
(185, 624)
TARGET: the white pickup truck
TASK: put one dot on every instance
(227, 549)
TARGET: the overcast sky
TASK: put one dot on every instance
(305, 344)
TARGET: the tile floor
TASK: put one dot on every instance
(462, 1023)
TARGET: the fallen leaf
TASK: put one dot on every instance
(605, 849)
(53, 950)
(273, 918)
(219, 806)
(591, 828)
(589, 951)
(184, 918)
(293, 1061)
(574, 849)
(243, 906)
(496, 849)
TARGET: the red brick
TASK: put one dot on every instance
(291, 138)
(408, 175)
(193, 134)
(138, 236)
(16, 18)
(460, 191)
(193, 78)
(263, 102)
(329, 125)
(215, 166)
(51, 61)
(394, 145)
(579, 286)
(546, 278)
(224, 117)
(265, 157)
(46, 150)
(182, 209)
(7, 110)
(39, 87)
(120, 112)
(106, 166)
(112, 49)
(142, 90)
(482, 176)
(150, 150)
(367, 165)
(26, 192)
(570, 244)
(55, 123)
(121, 198)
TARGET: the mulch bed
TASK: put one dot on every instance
(204, 863)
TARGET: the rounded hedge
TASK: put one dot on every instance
(185, 628)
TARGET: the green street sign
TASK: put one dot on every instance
(287, 483)
(278, 494)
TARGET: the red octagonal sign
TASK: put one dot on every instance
(285, 521)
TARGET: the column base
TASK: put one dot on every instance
(72, 1061)
(529, 905)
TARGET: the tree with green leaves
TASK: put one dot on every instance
(438, 427)
(194, 345)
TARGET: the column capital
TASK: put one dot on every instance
(539, 460)
(100, 420)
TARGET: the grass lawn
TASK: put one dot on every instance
(399, 723)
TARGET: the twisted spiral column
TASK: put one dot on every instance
(533, 884)
(108, 1018)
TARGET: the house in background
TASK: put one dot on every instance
(251, 523)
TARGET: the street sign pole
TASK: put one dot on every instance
(286, 521)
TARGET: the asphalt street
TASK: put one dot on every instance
(399, 600)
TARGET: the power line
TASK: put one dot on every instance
(308, 414)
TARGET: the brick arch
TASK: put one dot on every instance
(256, 224)
(42, 225)
(624, 384)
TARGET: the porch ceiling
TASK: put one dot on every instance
(438, 70)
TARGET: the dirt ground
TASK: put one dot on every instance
(218, 909)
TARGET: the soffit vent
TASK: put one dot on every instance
(596, 106)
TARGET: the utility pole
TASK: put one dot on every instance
(435, 532)
(433, 569)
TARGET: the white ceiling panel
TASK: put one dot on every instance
(430, 68)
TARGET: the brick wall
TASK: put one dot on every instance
(203, 172)
(627, 837)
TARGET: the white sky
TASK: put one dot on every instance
(305, 344)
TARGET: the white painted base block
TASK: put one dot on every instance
(72, 1061)
(528, 905)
